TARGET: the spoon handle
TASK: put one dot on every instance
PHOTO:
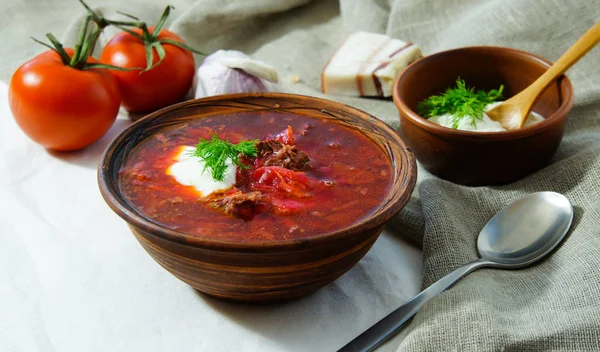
(581, 47)
(386, 327)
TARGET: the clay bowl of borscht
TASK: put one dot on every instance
(309, 191)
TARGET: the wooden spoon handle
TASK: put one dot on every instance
(571, 56)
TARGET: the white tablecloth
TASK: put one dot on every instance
(73, 278)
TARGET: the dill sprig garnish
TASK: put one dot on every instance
(461, 102)
(216, 151)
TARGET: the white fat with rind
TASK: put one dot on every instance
(188, 170)
(387, 75)
(360, 56)
(486, 124)
(253, 67)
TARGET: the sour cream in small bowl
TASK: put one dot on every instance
(484, 124)
(481, 153)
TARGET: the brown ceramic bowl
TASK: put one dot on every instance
(481, 158)
(258, 271)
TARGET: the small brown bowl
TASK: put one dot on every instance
(258, 271)
(481, 158)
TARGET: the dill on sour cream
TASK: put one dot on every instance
(463, 108)
(215, 153)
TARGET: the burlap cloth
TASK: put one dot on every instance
(552, 306)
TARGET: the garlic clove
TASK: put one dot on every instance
(253, 67)
(231, 71)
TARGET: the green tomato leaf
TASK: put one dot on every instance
(127, 30)
(53, 49)
(181, 45)
(160, 51)
(149, 58)
(161, 23)
(59, 49)
(111, 67)
(128, 15)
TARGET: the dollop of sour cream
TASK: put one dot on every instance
(485, 124)
(189, 171)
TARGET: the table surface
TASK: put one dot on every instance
(73, 278)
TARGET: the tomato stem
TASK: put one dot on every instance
(151, 40)
(87, 39)
(97, 18)
(82, 33)
(86, 49)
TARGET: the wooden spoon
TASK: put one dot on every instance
(511, 114)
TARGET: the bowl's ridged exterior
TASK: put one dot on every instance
(259, 272)
(255, 278)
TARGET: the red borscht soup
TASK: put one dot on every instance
(309, 176)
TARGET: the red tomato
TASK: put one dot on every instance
(60, 107)
(286, 136)
(286, 206)
(163, 85)
(275, 178)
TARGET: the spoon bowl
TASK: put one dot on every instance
(513, 240)
(508, 115)
(521, 234)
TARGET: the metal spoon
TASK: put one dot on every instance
(512, 113)
(519, 235)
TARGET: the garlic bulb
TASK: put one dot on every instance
(231, 71)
